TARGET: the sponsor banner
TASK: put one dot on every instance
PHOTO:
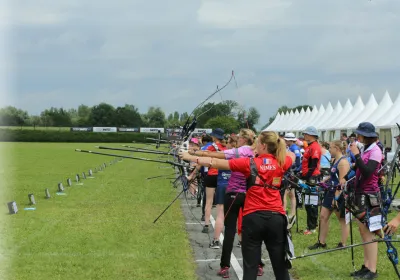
(128, 129)
(203, 130)
(104, 129)
(85, 129)
(151, 130)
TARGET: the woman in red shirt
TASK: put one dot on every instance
(264, 218)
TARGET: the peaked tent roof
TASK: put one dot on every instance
(313, 115)
(295, 125)
(368, 109)
(335, 114)
(275, 122)
(384, 106)
(357, 109)
(322, 120)
(389, 117)
(318, 116)
(347, 110)
(288, 119)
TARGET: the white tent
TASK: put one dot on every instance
(306, 116)
(275, 123)
(335, 114)
(384, 106)
(325, 117)
(390, 116)
(289, 120)
(368, 109)
(347, 110)
(313, 116)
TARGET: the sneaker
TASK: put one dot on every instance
(215, 244)
(205, 229)
(368, 274)
(203, 218)
(239, 244)
(359, 272)
(260, 271)
(292, 221)
(317, 246)
(308, 232)
(340, 245)
(224, 272)
(198, 205)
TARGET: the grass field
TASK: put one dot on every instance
(101, 230)
(104, 229)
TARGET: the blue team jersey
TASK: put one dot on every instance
(295, 149)
(202, 169)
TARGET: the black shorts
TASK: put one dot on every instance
(328, 200)
(210, 181)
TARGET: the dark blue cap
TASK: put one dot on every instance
(218, 133)
(366, 129)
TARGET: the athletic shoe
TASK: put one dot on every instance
(340, 245)
(368, 274)
(205, 229)
(239, 244)
(291, 222)
(224, 272)
(360, 272)
(308, 232)
(215, 244)
(203, 218)
(260, 271)
(317, 246)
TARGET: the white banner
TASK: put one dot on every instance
(203, 130)
(151, 130)
(104, 129)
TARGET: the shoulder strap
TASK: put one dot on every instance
(237, 153)
(215, 146)
(251, 181)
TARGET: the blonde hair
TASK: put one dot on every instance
(342, 145)
(249, 135)
(275, 145)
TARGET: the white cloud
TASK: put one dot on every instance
(237, 14)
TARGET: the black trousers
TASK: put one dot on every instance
(268, 227)
(312, 216)
(233, 202)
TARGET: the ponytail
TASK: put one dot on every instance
(281, 152)
(275, 145)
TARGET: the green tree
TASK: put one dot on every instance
(56, 117)
(12, 116)
(127, 116)
(155, 117)
(102, 115)
(228, 123)
(248, 119)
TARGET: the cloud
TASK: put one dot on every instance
(283, 52)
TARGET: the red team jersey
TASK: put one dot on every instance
(214, 171)
(312, 151)
(263, 198)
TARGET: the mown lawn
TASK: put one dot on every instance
(335, 265)
(101, 230)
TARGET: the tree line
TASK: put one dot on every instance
(228, 115)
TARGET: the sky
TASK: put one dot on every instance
(174, 53)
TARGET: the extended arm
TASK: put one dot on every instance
(221, 164)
